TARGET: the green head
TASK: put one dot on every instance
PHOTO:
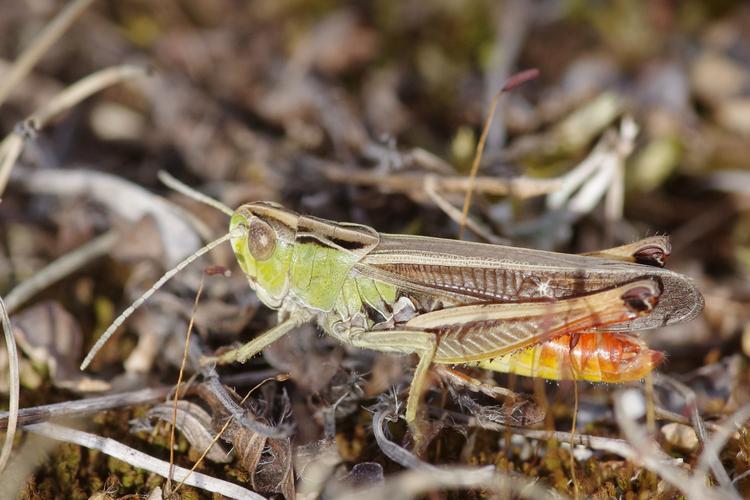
(263, 242)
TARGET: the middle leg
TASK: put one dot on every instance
(419, 342)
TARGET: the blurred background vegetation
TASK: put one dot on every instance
(317, 105)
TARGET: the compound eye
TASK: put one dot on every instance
(261, 239)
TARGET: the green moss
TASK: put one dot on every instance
(128, 475)
(189, 494)
(68, 461)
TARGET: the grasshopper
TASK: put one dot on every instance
(447, 301)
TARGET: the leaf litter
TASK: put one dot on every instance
(365, 114)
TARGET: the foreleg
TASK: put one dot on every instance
(247, 351)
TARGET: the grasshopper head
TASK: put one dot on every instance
(262, 239)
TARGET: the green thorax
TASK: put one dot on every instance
(311, 261)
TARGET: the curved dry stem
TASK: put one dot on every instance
(400, 455)
(417, 482)
(40, 45)
(513, 82)
(718, 439)
(653, 459)
(84, 88)
(14, 387)
(13, 144)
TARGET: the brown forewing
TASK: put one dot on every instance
(468, 273)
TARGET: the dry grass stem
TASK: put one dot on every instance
(12, 145)
(90, 406)
(519, 187)
(456, 215)
(179, 381)
(139, 459)
(40, 45)
(417, 482)
(654, 459)
(59, 269)
(400, 455)
(14, 384)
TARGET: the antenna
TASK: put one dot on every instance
(182, 188)
(143, 298)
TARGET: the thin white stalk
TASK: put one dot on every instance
(141, 460)
(13, 389)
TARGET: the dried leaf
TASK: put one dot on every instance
(314, 461)
(268, 460)
(276, 473)
(195, 424)
(249, 447)
(48, 334)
